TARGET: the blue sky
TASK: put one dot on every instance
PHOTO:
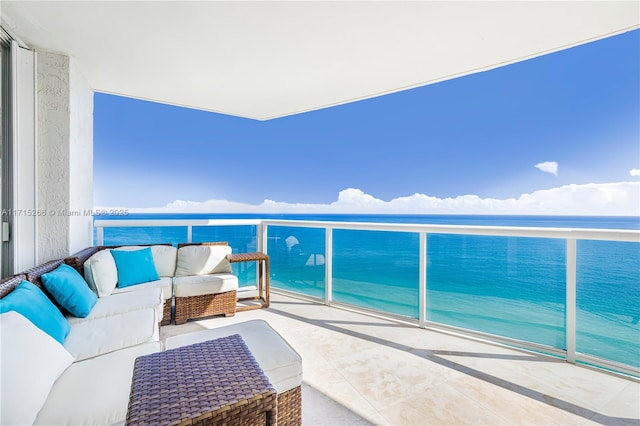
(471, 140)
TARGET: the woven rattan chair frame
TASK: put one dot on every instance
(205, 305)
(289, 411)
(211, 243)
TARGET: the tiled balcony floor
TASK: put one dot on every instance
(360, 369)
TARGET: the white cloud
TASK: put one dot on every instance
(605, 199)
(634, 172)
(548, 167)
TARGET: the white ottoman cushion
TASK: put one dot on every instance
(279, 361)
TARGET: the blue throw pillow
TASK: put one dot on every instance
(29, 301)
(134, 267)
(70, 290)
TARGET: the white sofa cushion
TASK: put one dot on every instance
(119, 303)
(279, 361)
(202, 260)
(88, 339)
(94, 391)
(164, 258)
(100, 273)
(30, 363)
(164, 283)
(197, 285)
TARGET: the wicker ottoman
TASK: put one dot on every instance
(209, 383)
(279, 361)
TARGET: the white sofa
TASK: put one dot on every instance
(42, 384)
(87, 378)
(84, 379)
(198, 276)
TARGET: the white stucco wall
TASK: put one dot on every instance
(80, 160)
(52, 136)
(64, 135)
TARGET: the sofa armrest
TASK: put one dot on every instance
(7, 285)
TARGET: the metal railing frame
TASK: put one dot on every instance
(570, 235)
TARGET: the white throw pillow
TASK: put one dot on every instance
(31, 362)
(101, 273)
(200, 260)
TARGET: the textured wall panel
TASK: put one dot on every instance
(65, 157)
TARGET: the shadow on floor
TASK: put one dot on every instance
(436, 357)
(319, 409)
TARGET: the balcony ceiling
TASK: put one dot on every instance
(270, 59)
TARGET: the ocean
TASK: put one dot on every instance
(506, 286)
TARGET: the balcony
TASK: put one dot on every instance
(568, 293)
(362, 369)
(411, 332)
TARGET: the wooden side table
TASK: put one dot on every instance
(263, 277)
(210, 383)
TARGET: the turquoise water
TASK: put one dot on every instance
(507, 286)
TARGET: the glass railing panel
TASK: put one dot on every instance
(377, 270)
(608, 300)
(143, 235)
(241, 239)
(507, 286)
(297, 257)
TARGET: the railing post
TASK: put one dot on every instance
(570, 308)
(261, 246)
(100, 236)
(261, 237)
(189, 233)
(422, 314)
(328, 266)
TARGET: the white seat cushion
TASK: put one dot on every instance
(88, 339)
(165, 283)
(279, 361)
(198, 285)
(30, 363)
(95, 391)
(148, 297)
